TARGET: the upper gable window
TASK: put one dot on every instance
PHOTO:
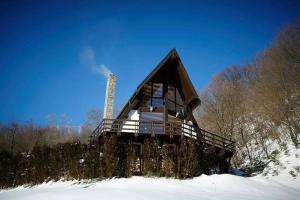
(174, 95)
(175, 102)
(153, 95)
(157, 90)
(178, 98)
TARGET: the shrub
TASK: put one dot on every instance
(293, 174)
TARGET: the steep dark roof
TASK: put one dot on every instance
(189, 92)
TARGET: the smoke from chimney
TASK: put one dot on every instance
(109, 97)
(88, 58)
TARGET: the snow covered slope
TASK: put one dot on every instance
(203, 187)
(285, 166)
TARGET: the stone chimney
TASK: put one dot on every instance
(109, 97)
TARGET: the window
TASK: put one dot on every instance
(175, 102)
(151, 122)
(178, 98)
(157, 90)
(153, 95)
(171, 93)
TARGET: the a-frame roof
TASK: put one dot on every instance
(191, 97)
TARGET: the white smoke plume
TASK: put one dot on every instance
(88, 58)
(102, 69)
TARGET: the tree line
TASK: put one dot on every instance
(257, 104)
(17, 137)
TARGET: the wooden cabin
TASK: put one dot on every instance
(162, 108)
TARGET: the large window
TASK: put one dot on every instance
(151, 122)
(153, 95)
(175, 102)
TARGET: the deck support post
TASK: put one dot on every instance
(152, 132)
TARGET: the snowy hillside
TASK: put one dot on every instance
(285, 166)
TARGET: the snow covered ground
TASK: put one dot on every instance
(276, 182)
(204, 187)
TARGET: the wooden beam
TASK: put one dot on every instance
(165, 96)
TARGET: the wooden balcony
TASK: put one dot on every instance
(156, 128)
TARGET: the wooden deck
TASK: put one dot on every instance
(169, 130)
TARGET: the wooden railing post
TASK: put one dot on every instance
(151, 125)
(136, 128)
(119, 128)
(171, 129)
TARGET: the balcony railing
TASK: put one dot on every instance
(153, 128)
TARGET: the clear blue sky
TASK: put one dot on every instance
(43, 45)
